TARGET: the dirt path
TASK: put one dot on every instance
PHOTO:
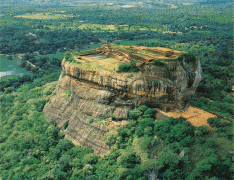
(196, 116)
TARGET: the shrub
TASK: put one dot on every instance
(70, 58)
(143, 108)
(159, 64)
(149, 113)
(9, 90)
(90, 159)
(128, 67)
(135, 114)
(64, 145)
(145, 126)
(68, 55)
(91, 120)
(87, 52)
(9, 57)
(101, 118)
(28, 67)
(201, 130)
(154, 81)
(39, 105)
(68, 93)
(214, 122)
(188, 57)
(16, 84)
(130, 76)
(23, 63)
(34, 70)
(110, 138)
(65, 124)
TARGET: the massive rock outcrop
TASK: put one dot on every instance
(91, 101)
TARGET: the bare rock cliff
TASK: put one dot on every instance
(92, 102)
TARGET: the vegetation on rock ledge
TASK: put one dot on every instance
(187, 57)
(128, 67)
(159, 64)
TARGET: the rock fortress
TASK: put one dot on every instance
(94, 95)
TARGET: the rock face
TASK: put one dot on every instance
(93, 102)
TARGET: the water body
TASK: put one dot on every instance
(9, 68)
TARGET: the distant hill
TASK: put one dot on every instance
(195, 1)
(64, 2)
(38, 2)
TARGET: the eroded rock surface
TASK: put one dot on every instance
(97, 101)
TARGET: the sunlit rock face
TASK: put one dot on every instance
(94, 100)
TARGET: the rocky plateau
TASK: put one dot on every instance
(93, 97)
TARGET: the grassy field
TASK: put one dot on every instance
(99, 63)
(134, 42)
(10, 68)
(121, 28)
(91, 46)
(153, 53)
(107, 28)
(44, 16)
(59, 55)
(151, 27)
(158, 43)
(98, 27)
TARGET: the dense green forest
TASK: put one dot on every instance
(33, 148)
